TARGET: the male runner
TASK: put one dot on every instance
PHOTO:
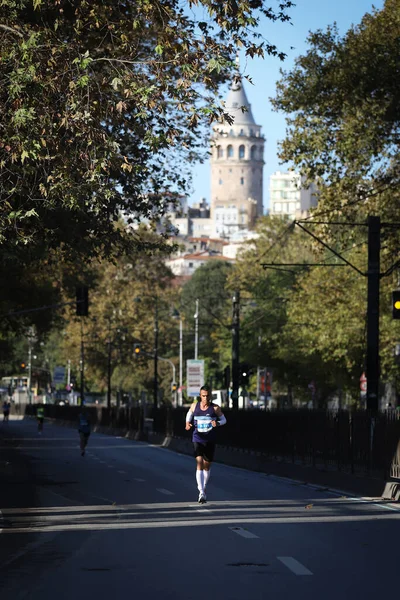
(207, 417)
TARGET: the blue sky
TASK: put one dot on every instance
(307, 15)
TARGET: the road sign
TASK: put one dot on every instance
(195, 377)
(363, 383)
(59, 375)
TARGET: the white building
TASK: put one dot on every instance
(239, 242)
(185, 266)
(289, 197)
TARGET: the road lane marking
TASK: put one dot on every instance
(166, 492)
(243, 532)
(122, 472)
(138, 479)
(294, 565)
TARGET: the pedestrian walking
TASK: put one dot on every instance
(6, 410)
(207, 416)
(84, 429)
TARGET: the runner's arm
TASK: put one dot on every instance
(220, 415)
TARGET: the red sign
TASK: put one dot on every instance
(363, 383)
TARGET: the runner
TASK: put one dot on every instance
(84, 431)
(40, 418)
(207, 417)
(6, 410)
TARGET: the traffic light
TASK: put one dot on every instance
(23, 365)
(82, 301)
(396, 304)
(174, 386)
(137, 349)
(244, 374)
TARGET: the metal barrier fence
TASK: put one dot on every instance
(355, 442)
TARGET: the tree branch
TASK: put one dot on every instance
(11, 30)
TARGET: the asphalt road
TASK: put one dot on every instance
(124, 522)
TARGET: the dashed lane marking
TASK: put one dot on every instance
(138, 480)
(294, 565)
(166, 492)
(243, 532)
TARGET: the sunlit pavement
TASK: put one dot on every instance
(124, 520)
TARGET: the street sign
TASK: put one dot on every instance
(59, 375)
(195, 377)
(363, 383)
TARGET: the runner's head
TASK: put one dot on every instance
(205, 394)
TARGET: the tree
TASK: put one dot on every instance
(208, 285)
(102, 105)
(342, 102)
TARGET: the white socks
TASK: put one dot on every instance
(200, 481)
(202, 478)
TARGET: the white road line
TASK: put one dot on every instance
(166, 492)
(294, 565)
(122, 472)
(243, 532)
(138, 479)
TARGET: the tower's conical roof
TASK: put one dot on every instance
(235, 100)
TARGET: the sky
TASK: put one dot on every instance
(306, 16)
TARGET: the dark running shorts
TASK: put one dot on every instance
(40, 419)
(205, 450)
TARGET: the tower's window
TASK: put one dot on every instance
(241, 132)
(230, 170)
(242, 181)
(253, 151)
(231, 132)
(220, 182)
(230, 151)
(241, 151)
(220, 152)
(251, 133)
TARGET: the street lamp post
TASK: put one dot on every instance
(155, 397)
(180, 360)
(29, 373)
(196, 331)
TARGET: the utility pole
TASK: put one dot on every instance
(82, 367)
(258, 370)
(109, 367)
(373, 367)
(196, 331)
(235, 348)
(30, 373)
(180, 359)
(155, 397)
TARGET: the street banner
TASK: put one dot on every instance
(58, 375)
(195, 377)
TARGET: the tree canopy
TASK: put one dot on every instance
(102, 105)
(343, 112)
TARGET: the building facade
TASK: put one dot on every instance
(289, 197)
(237, 162)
